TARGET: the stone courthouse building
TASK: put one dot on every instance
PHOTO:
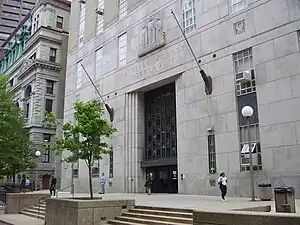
(35, 60)
(167, 126)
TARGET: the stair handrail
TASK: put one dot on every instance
(64, 188)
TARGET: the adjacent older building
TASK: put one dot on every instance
(35, 60)
(12, 12)
(167, 126)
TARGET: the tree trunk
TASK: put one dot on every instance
(90, 181)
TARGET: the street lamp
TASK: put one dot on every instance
(247, 112)
(37, 154)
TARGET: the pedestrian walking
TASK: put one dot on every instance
(53, 186)
(222, 181)
(102, 184)
(148, 185)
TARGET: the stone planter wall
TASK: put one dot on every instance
(84, 211)
(244, 218)
(17, 202)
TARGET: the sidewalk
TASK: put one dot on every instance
(18, 219)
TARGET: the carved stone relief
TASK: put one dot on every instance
(152, 37)
(239, 27)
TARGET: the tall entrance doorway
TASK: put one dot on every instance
(161, 139)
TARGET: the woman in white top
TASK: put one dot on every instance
(222, 181)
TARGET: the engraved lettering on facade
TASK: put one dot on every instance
(152, 37)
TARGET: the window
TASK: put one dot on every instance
(75, 169)
(52, 55)
(79, 75)
(99, 62)
(46, 138)
(95, 171)
(237, 5)
(59, 22)
(243, 65)
(36, 23)
(11, 82)
(122, 49)
(27, 110)
(122, 8)
(81, 25)
(49, 87)
(46, 156)
(100, 18)
(189, 16)
(111, 162)
(48, 105)
(211, 154)
(77, 98)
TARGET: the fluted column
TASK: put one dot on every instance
(133, 142)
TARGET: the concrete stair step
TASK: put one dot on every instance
(33, 215)
(36, 211)
(145, 221)
(37, 207)
(162, 213)
(164, 209)
(118, 222)
(158, 217)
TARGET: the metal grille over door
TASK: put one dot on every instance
(160, 123)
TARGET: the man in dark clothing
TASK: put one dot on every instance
(53, 186)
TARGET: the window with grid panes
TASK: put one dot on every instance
(52, 55)
(237, 5)
(100, 18)
(59, 22)
(81, 24)
(243, 61)
(188, 15)
(50, 87)
(48, 105)
(79, 75)
(99, 62)
(122, 8)
(122, 49)
(212, 164)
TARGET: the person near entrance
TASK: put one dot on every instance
(102, 184)
(148, 184)
(222, 182)
(53, 186)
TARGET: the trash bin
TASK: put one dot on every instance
(265, 192)
(285, 199)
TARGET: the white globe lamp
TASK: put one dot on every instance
(247, 111)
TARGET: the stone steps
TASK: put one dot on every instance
(37, 211)
(154, 216)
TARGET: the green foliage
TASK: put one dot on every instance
(16, 149)
(85, 138)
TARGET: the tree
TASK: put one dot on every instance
(16, 149)
(85, 138)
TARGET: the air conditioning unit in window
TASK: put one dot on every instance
(82, 1)
(99, 11)
(244, 77)
(245, 159)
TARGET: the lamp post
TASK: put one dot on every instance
(247, 112)
(37, 154)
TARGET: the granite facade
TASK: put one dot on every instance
(274, 41)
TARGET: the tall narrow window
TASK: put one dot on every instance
(49, 105)
(212, 164)
(237, 5)
(189, 15)
(122, 49)
(99, 62)
(59, 22)
(46, 153)
(52, 55)
(36, 20)
(111, 162)
(81, 25)
(49, 87)
(75, 171)
(246, 95)
(122, 8)
(27, 110)
(100, 17)
(79, 75)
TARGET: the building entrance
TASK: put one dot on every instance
(161, 139)
(164, 179)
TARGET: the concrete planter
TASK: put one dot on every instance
(83, 211)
